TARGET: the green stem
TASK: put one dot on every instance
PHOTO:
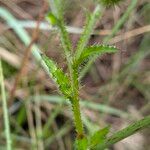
(75, 102)
(5, 110)
(72, 70)
(122, 134)
(77, 118)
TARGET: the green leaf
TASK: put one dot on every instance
(52, 18)
(82, 144)
(95, 50)
(126, 132)
(58, 76)
(88, 29)
(98, 137)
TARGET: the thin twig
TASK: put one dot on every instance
(129, 34)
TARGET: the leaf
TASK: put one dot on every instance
(52, 18)
(82, 144)
(126, 132)
(58, 76)
(88, 29)
(95, 50)
(98, 137)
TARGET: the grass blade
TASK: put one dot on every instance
(5, 110)
(22, 34)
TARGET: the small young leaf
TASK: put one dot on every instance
(52, 18)
(59, 77)
(95, 50)
(98, 137)
(82, 144)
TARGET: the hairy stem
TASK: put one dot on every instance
(77, 118)
(75, 103)
(72, 70)
(122, 134)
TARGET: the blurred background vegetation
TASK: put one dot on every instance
(115, 90)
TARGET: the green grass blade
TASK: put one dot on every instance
(128, 131)
(22, 34)
(5, 110)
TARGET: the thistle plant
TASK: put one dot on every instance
(69, 83)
